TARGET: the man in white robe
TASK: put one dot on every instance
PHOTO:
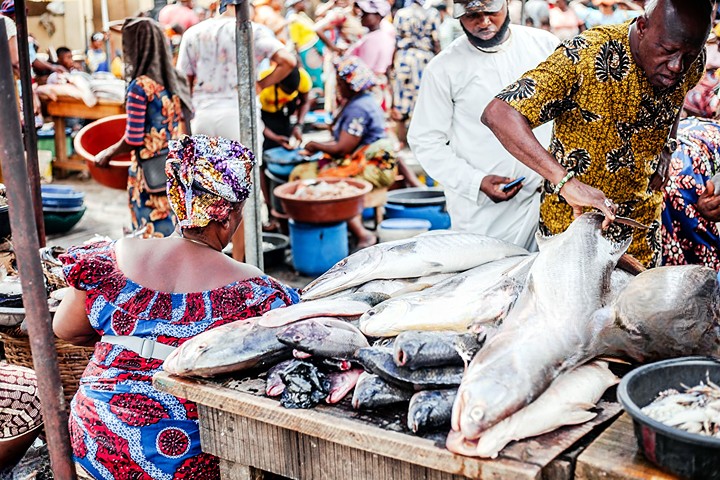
(455, 148)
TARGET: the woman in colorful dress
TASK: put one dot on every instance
(360, 147)
(136, 299)
(417, 42)
(691, 208)
(156, 98)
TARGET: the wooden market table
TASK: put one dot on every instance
(615, 456)
(69, 107)
(253, 434)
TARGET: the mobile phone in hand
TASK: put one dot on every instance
(512, 184)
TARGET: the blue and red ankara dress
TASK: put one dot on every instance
(120, 426)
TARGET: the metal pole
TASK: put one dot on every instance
(25, 240)
(522, 13)
(105, 28)
(248, 127)
(33, 170)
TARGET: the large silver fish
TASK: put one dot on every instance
(544, 333)
(568, 401)
(232, 347)
(662, 313)
(351, 306)
(480, 295)
(415, 257)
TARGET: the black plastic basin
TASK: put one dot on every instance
(274, 256)
(417, 197)
(689, 455)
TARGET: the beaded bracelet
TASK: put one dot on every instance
(562, 182)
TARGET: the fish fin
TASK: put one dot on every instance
(579, 416)
(543, 240)
(619, 248)
(614, 360)
(630, 264)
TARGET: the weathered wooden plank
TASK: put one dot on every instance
(382, 433)
(614, 456)
(235, 471)
(324, 424)
(299, 456)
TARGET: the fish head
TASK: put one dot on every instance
(477, 404)
(304, 334)
(383, 319)
(419, 415)
(407, 350)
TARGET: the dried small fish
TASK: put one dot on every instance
(694, 409)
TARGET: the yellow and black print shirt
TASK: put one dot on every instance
(610, 127)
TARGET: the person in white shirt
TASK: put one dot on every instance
(208, 57)
(455, 148)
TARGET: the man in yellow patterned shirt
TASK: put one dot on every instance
(615, 94)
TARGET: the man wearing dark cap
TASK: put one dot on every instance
(449, 141)
(614, 93)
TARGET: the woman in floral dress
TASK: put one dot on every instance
(136, 299)
(691, 206)
(156, 97)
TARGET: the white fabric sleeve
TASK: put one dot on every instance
(187, 57)
(429, 138)
(10, 28)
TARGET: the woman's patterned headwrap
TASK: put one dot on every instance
(356, 73)
(206, 176)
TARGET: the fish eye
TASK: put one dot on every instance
(297, 338)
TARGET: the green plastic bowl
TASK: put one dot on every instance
(57, 222)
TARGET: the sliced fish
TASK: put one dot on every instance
(352, 306)
(233, 347)
(568, 401)
(483, 294)
(546, 333)
(372, 392)
(415, 257)
(380, 362)
(324, 337)
(431, 410)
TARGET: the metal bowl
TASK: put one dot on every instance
(686, 454)
(322, 211)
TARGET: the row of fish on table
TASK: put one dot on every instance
(476, 335)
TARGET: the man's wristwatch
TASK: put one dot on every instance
(671, 145)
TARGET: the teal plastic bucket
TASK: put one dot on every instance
(317, 247)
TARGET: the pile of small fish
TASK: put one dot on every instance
(695, 409)
(473, 333)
